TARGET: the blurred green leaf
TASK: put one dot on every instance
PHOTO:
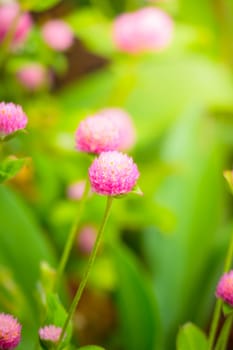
(136, 302)
(191, 337)
(91, 347)
(10, 167)
(37, 5)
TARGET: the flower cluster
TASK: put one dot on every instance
(224, 288)
(10, 332)
(12, 118)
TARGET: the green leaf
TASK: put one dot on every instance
(37, 5)
(136, 302)
(91, 347)
(10, 167)
(191, 337)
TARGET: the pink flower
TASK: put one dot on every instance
(124, 124)
(50, 333)
(148, 29)
(113, 173)
(33, 76)
(12, 118)
(75, 191)
(97, 134)
(86, 239)
(224, 288)
(8, 13)
(10, 332)
(58, 35)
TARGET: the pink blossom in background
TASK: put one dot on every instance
(33, 76)
(58, 35)
(10, 332)
(12, 118)
(224, 288)
(50, 333)
(113, 173)
(86, 239)
(124, 124)
(97, 134)
(148, 29)
(8, 13)
(75, 190)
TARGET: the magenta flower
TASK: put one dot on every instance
(50, 333)
(58, 35)
(10, 332)
(124, 124)
(148, 29)
(86, 239)
(33, 76)
(12, 118)
(224, 288)
(97, 134)
(113, 174)
(8, 13)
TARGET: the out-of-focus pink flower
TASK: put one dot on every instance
(8, 14)
(113, 174)
(76, 190)
(50, 333)
(86, 239)
(148, 29)
(224, 288)
(10, 332)
(124, 124)
(97, 134)
(58, 35)
(12, 118)
(33, 76)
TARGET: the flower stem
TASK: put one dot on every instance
(91, 260)
(71, 238)
(224, 335)
(218, 305)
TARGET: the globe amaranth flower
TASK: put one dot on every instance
(113, 174)
(50, 334)
(33, 76)
(124, 124)
(57, 34)
(10, 332)
(12, 118)
(224, 288)
(97, 134)
(9, 13)
(148, 29)
(86, 239)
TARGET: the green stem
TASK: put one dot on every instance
(218, 305)
(84, 280)
(71, 238)
(224, 335)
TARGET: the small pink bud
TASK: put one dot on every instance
(148, 29)
(224, 288)
(97, 134)
(58, 35)
(33, 76)
(50, 334)
(10, 332)
(124, 124)
(113, 174)
(86, 239)
(8, 13)
(12, 118)
(76, 190)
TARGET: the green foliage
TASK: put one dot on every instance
(10, 167)
(191, 337)
(37, 5)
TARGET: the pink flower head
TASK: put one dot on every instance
(8, 13)
(113, 173)
(148, 29)
(97, 134)
(10, 332)
(75, 190)
(58, 35)
(124, 124)
(86, 239)
(33, 76)
(12, 118)
(224, 288)
(50, 333)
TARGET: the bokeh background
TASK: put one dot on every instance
(163, 253)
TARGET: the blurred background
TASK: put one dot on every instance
(163, 253)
